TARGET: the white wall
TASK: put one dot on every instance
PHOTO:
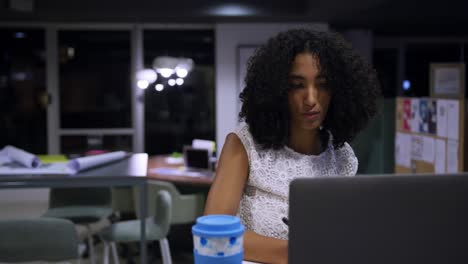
(228, 38)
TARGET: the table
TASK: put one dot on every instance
(160, 161)
(127, 172)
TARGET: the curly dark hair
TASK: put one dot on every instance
(351, 80)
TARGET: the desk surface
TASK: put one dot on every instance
(159, 162)
(129, 171)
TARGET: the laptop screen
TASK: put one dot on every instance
(403, 219)
(196, 158)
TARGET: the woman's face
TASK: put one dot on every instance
(308, 96)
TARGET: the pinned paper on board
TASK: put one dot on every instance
(415, 115)
(440, 157)
(403, 149)
(452, 156)
(407, 114)
(422, 148)
(417, 147)
(428, 149)
(423, 116)
(432, 118)
(442, 118)
(453, 113)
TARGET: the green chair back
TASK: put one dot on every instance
(186, 207)
(157, 224)
(40, 239)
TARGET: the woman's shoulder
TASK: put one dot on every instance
(243, 133)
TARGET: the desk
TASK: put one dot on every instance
(128, 172)
(160, 161)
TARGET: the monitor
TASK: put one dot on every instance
(197, 158)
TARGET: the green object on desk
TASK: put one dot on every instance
(52, 158)
(176, 155)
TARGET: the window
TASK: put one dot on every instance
(94, 79)
(23, 97)
(77, 145)
(179, 113)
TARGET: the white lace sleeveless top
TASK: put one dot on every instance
(265, 200)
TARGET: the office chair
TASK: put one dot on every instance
(39, 239)
(186, 207)
(157, 228)
(81, 206)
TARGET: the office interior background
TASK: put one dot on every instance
(67, 69)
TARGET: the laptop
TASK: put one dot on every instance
(197, 161)
(379, 219)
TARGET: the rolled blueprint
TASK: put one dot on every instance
(25, 158)
(88, 162)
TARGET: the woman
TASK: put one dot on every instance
(307, 93)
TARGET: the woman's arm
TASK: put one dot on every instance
(225, 195)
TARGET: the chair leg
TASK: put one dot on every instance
(81, 249)
(92, 258)
(115, 256)
(165, 251)
(106, 253)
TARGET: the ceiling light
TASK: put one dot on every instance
(159, 87)
(181, 72)
(165, 65)
(179, 81)
(142, 84)
(148, 75)
(165, 72)
(232, 10)
(171, 82)
(184, 66)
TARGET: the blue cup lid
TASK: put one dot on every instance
(218, 226)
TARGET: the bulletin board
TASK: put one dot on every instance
(429, 135)
(430, 131)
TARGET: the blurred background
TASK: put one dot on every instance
(151, 76)
(68, 68)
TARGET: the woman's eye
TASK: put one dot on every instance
(296, 85)
(321, 82)
(322, 85)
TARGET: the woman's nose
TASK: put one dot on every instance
(311, 95)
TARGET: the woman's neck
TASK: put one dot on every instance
(305, 141)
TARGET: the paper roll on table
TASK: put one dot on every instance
(31, 164)
(24, 158)
(88, 162)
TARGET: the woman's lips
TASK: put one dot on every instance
(311, 115)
